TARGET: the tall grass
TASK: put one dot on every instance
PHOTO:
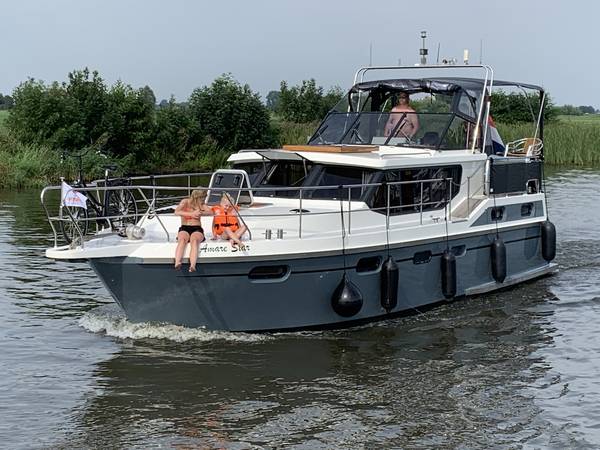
(575, 143)
(25, 165)
(294, 133)
(3, 117)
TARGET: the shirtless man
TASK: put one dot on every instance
(410, 121)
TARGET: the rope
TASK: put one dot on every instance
(387, 219)
(343, 230)
(446, 217)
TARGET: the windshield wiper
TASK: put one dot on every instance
(352, 127)
(319, 132)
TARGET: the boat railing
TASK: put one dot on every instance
(153, 195)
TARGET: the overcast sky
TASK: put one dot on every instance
(177, 45)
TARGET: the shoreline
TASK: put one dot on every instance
(569, 143)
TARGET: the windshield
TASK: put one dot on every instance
(442, 130)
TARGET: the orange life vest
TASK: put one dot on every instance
(222, 220)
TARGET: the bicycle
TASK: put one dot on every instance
(115, 209)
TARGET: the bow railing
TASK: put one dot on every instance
(155, 201)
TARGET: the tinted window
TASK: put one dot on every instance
(286, 173)
(411, 197)
(340, 175)
(255, 170)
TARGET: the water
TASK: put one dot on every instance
(517, 369)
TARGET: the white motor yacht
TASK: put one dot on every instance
(384, 211)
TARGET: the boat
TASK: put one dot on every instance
(382, 213)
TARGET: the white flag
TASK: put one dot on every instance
(70, 197)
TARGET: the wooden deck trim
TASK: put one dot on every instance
(331, 148)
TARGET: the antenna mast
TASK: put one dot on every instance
(423, 51)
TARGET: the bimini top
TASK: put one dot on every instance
(436, 85)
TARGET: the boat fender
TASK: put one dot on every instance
(346, 299)
(498, 256)
(389, 284)
(448, 269)
(548, 241)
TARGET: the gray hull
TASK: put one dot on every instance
(221, 296)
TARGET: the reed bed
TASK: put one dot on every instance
(569, 143)
(294, 133)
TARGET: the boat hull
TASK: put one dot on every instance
(222, 296)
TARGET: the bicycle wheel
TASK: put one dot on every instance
(121, 203)
(73, 221)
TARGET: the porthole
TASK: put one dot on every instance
(497, 213)
(268, 272)
(459, 250)
(526, 209)
(422, 257)
(369, 264)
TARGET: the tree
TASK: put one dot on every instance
(6, 102)
(83, 112)
(587, 109)
(148, 94)
(231, 114)
(306, 102)
(330, 99)
(568, 110)
(273, 100)
(516, 108)
(176, 131)
(128, 123)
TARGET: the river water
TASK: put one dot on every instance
(516, 369)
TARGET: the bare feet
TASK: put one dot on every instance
(177, 265)
(192, 269)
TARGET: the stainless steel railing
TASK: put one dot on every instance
(148, 195)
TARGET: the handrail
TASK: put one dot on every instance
(152, 211)
(348, 193)
(482, 118)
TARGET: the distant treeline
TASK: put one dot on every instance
(6, 102)
(83, 114)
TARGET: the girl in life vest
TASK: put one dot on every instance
(226, 223)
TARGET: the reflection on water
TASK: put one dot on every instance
(512, 369)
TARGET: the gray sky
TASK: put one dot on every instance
(177, 45)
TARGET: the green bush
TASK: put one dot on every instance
(306, 102)
(83, 112)
(520, 108)
(232, 115)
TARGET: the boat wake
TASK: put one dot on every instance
(110, 320)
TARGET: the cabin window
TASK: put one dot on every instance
(284, 174)
(526, 209)
(422, 189)
(497, 213)
(255, 170)
(341, 175)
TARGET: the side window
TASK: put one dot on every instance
(466, 106)
(421, 189)
(286, 174)
(255, 170)
(340, 175)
